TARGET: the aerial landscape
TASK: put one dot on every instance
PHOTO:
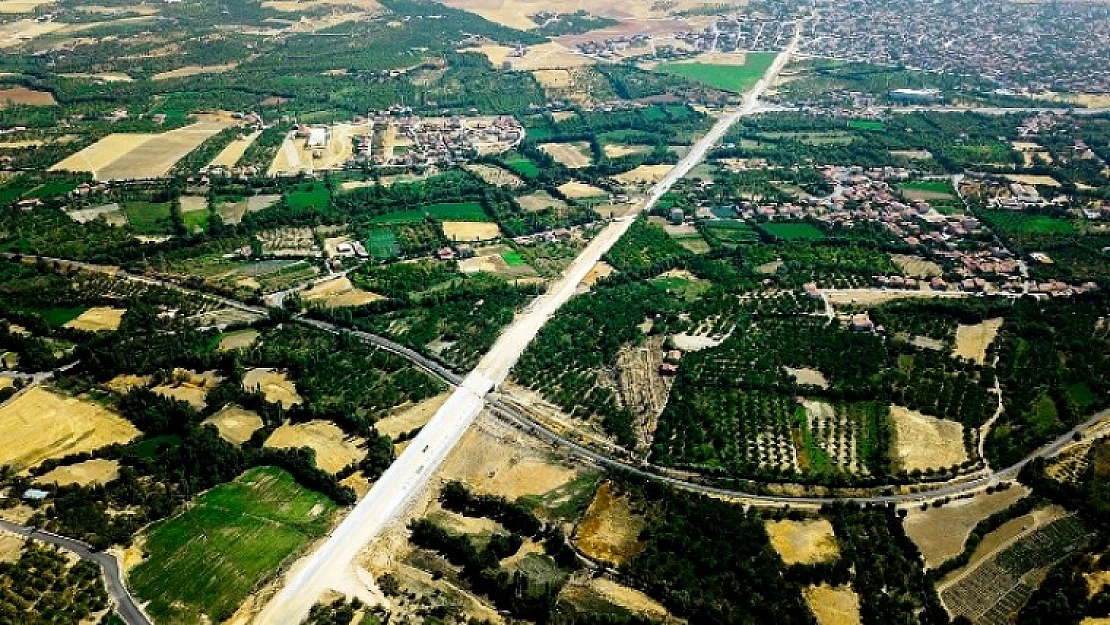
(637, 312)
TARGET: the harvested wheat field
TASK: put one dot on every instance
(916, 266)
(189, 386)
(972, 341)
(234, 151)
(11, 546)
(275, 386)
(411, 417)
(940, 533)
(610, 530)
(194, 70)
(334, 449)
(493, 459)
(131, 156)
(1035, 180)
(95, 471)
(339, 293)
(21, 6)
(463, 231)
(586, 592)
(125, 382)
(495, 175)
(574, 155)
(600, 270)
(97, 319)
(923, 442)
(6, 383)
(235, 424)
(548, 55)
(540, 200)
(833, 605)
(23, 96)
(644, 174)
(803, 542)
(42, 424)
(554, 78)
(240, 339)
(577, 190)
(615, 150)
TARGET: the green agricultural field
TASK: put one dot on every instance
(513, 259)
(206, 560)
(942, 187)
(308, 196)
(793, 231)
(730, 232)
(57, 317)
(149, 217)
(521, 165)
(734, 78)
(382, 244)
(1018, 223)
(51, 189)
(457, 211)
(866, 124)
(195, 219)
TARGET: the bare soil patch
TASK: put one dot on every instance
(833, 605)
(95, 471)
(21, 6)
(42, 424)
(471, 230)
(96, 319)
(339, 293)
(940, 533)
(610, 531)
(554, 78)
(916, 266)
(235, 424)
(550, 55)
(972, 341)
(923, 442)
(496, 176)
(334, 449)
(6, 383)
(492, 459)
(587, 592)
(410, 417)
(804, 375)
(803, 542)
(644, 174)
(574, 155)
(25, 97)
(540, 200)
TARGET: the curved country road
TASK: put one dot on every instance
(123, 604)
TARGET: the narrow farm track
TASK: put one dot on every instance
(123, 603)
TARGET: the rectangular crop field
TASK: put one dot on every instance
(1014, 222)
(734, 78)
(793, 231)
(866, 124)
(138, 156)
(308, 196)
(456, 211)
(206, 560)
(521, 165)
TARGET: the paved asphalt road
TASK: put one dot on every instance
(332, 565)
(124, 604)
